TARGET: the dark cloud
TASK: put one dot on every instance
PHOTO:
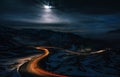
(99, 15)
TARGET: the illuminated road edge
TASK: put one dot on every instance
(35, 69)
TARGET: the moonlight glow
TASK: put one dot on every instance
(47, 7)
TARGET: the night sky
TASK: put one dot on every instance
(86, 16)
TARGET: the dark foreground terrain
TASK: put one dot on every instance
(15, 53)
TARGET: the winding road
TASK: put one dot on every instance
(35, 69)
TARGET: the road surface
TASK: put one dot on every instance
(33, 67)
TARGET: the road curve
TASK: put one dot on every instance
(33, 67)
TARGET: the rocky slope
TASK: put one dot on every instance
(14, 52)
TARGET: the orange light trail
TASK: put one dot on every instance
(35, 69)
